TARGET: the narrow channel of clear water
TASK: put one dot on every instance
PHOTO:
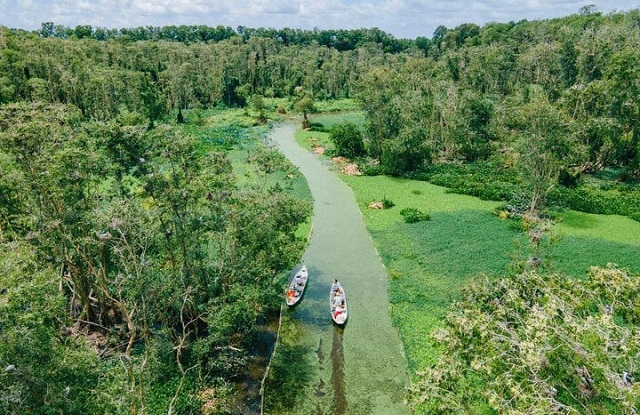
(361, 368)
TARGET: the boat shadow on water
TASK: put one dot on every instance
(287, 376)
(337, 373)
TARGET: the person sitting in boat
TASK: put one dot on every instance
(335, 286)
(338, 299)
(298, 284)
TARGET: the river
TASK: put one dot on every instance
(359, 369)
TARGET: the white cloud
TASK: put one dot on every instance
(150, 6)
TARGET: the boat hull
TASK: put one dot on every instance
(296, 291)
(339, 313)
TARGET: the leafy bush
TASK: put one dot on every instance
(612, 199)
(347, 139)
(387, 204)
(371, 169)
(226, 137)
(413, 215)
(568, 178)
(318, 127)
(490, 181)
(487, 181)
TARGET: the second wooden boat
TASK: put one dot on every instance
(297, 285)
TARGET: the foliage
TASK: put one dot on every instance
(258, 104)
(347, 140)
(593, 198)
(165, 265)
(43, 370)
(305, 104)
(340, 39)
(488, 181)
(224, 137)
(538, 344)
(468, 94)
(491, 181)
(158, 238)
(413, 215)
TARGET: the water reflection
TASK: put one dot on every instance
(337, 373)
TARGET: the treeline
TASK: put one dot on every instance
(101, 78)
(339, 39)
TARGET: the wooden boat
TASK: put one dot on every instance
(338, 303)
(297, 285)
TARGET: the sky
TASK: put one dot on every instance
(400, 18)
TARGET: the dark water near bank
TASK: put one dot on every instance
(361, 368)
(247, 386)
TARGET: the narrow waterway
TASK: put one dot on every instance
(361, 368)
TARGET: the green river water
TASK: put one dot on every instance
(361, 368)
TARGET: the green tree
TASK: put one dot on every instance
(377, 89)
(347, 139)
(305, 104)
(544, 143)
(538, 344)
(46, 367)
(259, 106)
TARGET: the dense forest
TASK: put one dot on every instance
(131, 254)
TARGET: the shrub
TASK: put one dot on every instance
(413, 215)
(372, 169)
(347, 139)
(318, 127)
(387, 204)
(487, 181)
(568, 179)
(491, 181)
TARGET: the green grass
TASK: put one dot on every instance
(311, 139)
(586, 240)
(612, 228)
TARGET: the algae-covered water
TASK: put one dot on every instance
(322, 368)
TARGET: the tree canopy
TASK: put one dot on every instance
(536, 343)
